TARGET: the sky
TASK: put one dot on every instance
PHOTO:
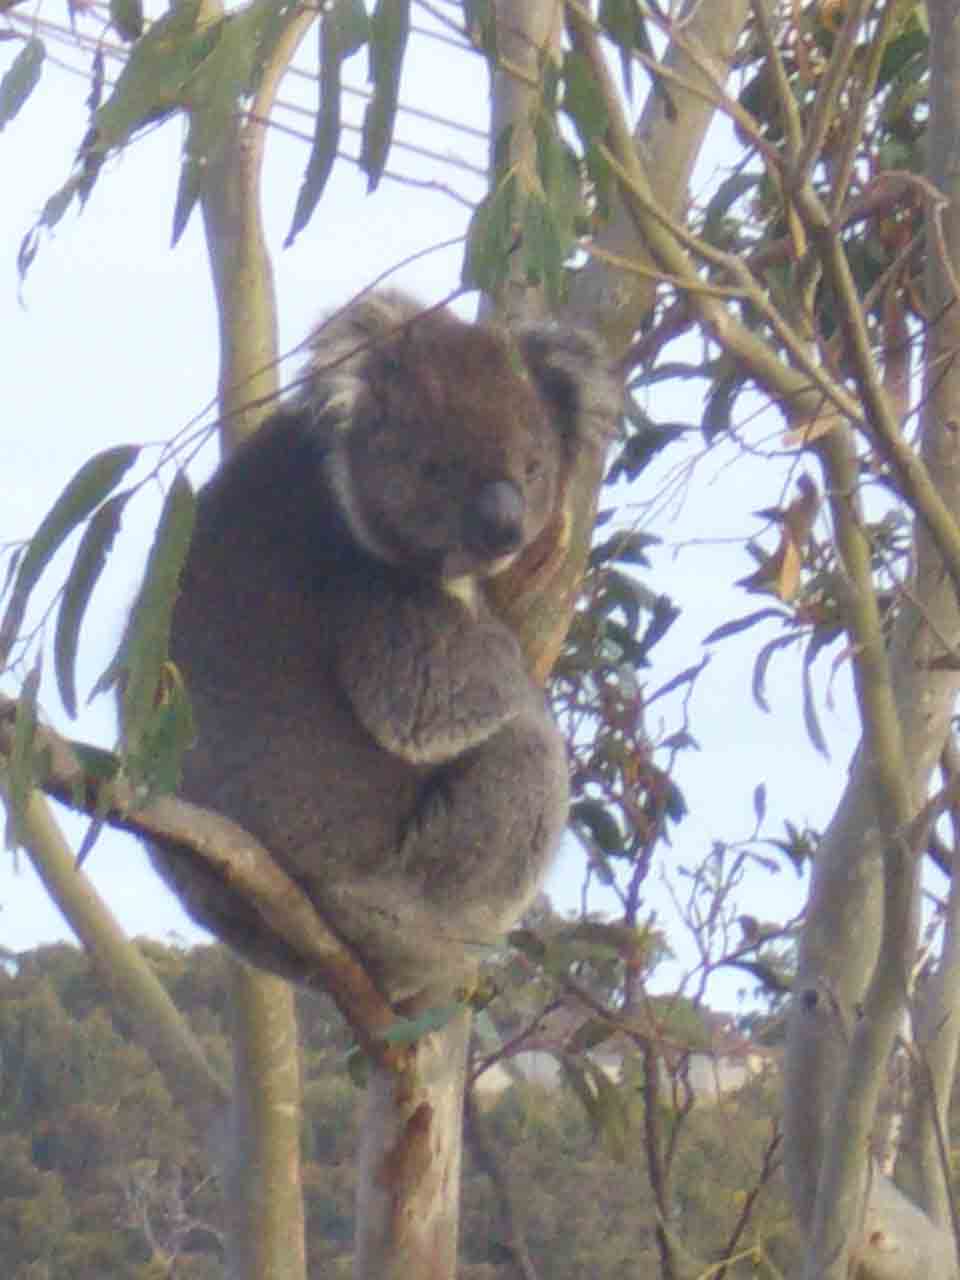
(112, 339)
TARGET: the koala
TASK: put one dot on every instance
(359, 708)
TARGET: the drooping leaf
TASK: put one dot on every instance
(491, 238)
(151, 83)
(726, 195)
(758, 685)
(810, 718)
(389, 30)
(20, 80)
(718, 407)
(95, 480)
(127, 18)
(780, 573)
(559, 172)
(737, 625)
(583, 101)
(53, 210)
(624, 22)
(99, 765)
(600, 824)
(99, 769)
(214, 88)
(16, 555)
(344, 30)
(167, 733)
(144, 650)
(84, 574)
(760, 802)
(626, 547)
(687, 676)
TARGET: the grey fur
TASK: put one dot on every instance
(360, 709)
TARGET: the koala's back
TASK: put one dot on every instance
(271, 576)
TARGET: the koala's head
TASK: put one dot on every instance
(448, 444)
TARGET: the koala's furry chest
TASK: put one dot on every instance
(278, 747)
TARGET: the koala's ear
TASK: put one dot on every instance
(344, 348)
(578, 384)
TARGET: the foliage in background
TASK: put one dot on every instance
(104, 1179)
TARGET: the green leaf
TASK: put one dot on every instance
(127, 18)
(278, 16)
(167, 733)
(56, 206)
(582, 99)
(99, 765)
(542, 247)
(620, 19)
(726, 195)
(741, 624)
(600, 824)
(559, 172)
(151, 84)
(144, 649)
(20, 79)
(99, 770)
(490, 239)
(88, 488)
(88, 564)
(220, 79)
(810, 718)
(345, 29)
(389, 30)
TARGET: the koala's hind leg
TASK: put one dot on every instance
(488, 825)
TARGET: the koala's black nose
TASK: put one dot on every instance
(493, 524)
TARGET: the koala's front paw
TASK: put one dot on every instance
(428, 681)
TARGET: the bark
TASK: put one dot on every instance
(845, 913)
(408, 1210)
(614, 304)
(265, 1204)
(264, 1200)
(408, 1190)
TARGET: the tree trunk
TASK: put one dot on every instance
(408, 1177)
